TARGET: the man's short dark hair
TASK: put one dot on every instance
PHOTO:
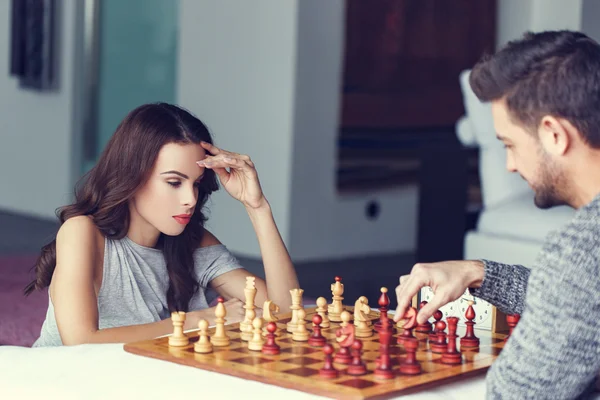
(548, 73)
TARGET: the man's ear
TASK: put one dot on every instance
(556, 135)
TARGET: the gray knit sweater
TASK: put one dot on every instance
(554, 352)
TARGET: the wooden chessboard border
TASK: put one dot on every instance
(297, 366)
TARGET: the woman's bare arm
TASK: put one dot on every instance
(74, 297)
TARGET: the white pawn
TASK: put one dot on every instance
(301, 334)
(178, 339)
(256, 343)
(345, 316)
(322, 311)
(203, 344)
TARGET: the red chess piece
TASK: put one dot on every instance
(270, 347)
(452, 356)
(410, 316)
(384, 320)
(425, 327)
(357, 366)
(469, 340)
(317, 339)
(384, 366)
(328, 370)
(438, 317)
(512, 320)
(343, 356)
(439, 345)
(345, 338)
(410, 365)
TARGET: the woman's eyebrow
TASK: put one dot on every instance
(176, 173)
(180, 174)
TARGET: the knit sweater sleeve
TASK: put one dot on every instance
(504, 286)
(554, 352)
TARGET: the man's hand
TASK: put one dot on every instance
(448, 279)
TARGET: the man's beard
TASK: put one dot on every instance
(548, 193)
(546, 197)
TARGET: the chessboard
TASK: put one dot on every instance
(297, 366)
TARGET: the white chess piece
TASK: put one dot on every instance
(203, 344)
(220, 337)
(178, 339)
(257, 341)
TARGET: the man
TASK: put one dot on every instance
(545, 96)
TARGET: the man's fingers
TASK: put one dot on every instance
(400, 309)
(406, 292)
(427, 311)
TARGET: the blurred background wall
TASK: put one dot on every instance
(348, 111)
(265, 77)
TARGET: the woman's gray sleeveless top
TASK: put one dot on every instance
(135, 282)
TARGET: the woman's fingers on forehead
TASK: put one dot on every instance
(223, 156)
(214, 151)
(211, 147)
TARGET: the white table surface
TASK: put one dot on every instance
(106, 371)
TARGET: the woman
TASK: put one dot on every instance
(133, 248)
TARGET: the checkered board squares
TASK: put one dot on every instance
(297, 366)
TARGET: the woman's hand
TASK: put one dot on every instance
(240, 181)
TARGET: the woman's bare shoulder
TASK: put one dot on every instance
(79, 225)
(78, 230)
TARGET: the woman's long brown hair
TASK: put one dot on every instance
(123, 167)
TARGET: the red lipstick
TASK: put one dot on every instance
(183, 219)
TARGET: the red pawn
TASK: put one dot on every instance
(469, 340)
(512, 320)
(410, 316)
(317, 339)
(357, 366)
(270, 347)
(439, 345)
(328, 371)
(438, 317)
(425, 327)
